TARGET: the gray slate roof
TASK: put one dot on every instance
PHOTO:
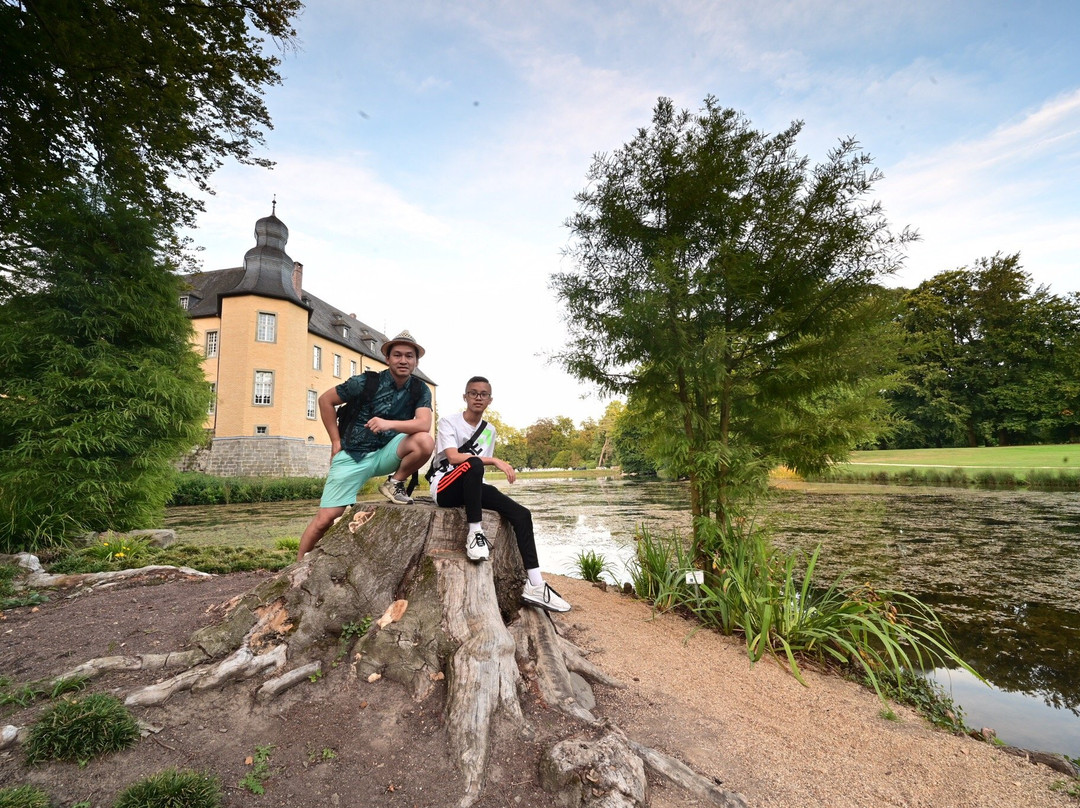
(324, 320)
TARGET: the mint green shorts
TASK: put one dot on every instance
(347, 476)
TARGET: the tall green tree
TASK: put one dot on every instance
(630, 437)
(130, 95)
(990, 359)
(730, 288)
(99, 388)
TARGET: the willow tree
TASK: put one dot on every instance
(732, 289)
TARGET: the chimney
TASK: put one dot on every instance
(297, 276)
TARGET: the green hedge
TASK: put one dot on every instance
(203, 489)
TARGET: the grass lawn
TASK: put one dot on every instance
(1003, 458)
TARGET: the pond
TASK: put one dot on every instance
(999, 567)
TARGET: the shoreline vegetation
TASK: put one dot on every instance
(1036, 468)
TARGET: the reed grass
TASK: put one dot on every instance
(772, 600)
(1007, 479)
(592, 566)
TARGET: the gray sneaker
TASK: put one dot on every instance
(544, 597)
(477, 546)
(394, 490)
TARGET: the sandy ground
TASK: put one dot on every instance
(691, 694)
(762, 733)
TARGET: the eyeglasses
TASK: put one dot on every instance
(477, 394)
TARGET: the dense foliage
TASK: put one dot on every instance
(129, 95)
(989, 360)
(730, 289)
(108, 112)
(99, 389)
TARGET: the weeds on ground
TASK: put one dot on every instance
(290, 543)
(119, 548)
(9, 597)
(172, 788)
(929, 698)
(260, 770)
(349, 632)
(27, 694)
(1070, 788)
(592, 567)
(327, 754)
(82, 729)
(24, 797)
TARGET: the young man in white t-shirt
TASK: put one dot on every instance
(462, 450)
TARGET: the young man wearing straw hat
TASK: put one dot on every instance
(391, 434)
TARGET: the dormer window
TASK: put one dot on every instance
(345, 331)
(185, 300)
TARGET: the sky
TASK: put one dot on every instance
(428, 153)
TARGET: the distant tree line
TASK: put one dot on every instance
(985, 359)
(988, 360)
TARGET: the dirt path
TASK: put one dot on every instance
(346, 743)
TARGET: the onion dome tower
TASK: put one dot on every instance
(268, 270)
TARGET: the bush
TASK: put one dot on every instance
(82, 729)
(172, 788)
(203, 489)
(24, 797)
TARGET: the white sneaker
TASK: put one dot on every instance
(476, 546)
(544, 597)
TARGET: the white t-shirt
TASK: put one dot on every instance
(454, 430)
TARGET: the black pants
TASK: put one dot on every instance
(464, 485)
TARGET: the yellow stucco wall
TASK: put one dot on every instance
(290, 357)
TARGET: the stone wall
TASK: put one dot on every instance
(259, 456)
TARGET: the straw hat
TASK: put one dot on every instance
(404, 338)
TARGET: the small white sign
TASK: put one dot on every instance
(695, 577)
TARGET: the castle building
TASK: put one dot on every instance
(269, 350)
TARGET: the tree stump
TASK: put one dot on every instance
(433, 617)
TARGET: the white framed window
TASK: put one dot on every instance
(352, 367)
(184, 302)
(212, 407)
(316, 357)
(312, 404)
(211, 343)
(345, 331)
(266, 327)
(337, 365)
(264, 388)
(262, 430)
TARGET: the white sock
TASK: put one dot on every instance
(535, 578)
(476, 527)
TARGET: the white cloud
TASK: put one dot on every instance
(1012, 190)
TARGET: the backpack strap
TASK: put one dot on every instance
(465, 447)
